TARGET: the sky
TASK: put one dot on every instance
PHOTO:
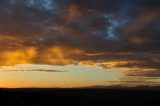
(79, 43)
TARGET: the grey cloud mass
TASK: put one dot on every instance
(125, 31)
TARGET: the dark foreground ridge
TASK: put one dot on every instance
(80, 97)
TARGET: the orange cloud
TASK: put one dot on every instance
(14, 57)
(60, 55)
(56, 55)
(106, 65)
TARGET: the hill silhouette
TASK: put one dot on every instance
(79, 97)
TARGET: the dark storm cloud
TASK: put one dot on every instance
(105, 30)
(80, 22)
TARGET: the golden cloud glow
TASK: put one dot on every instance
(10, 58)
(107, 65)
(136, 72)
(56, 55)
(61, 55)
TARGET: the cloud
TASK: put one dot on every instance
(122, 34)
(30, 68)
(155, 73)
(48, 68)
(32, 71)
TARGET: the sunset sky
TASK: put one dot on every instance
(77, 43)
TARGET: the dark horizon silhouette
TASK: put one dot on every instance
(79, 97)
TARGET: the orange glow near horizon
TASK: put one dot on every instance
(57, 79)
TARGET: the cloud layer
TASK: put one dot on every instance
(105, 33)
